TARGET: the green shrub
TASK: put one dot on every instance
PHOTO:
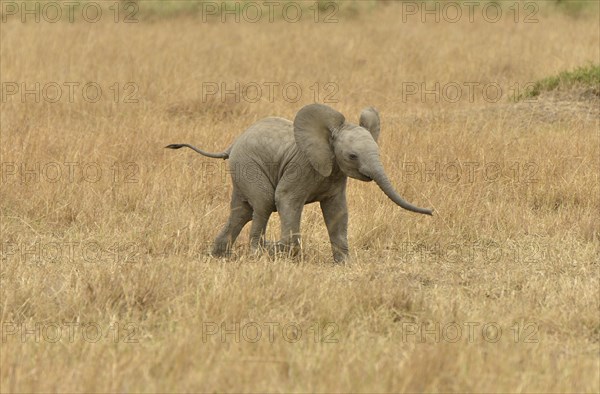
(585, 76)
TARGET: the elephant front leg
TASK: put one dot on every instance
(290, 214)
(335, 213)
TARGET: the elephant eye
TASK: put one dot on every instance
(353, 156)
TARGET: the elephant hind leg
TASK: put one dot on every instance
(241, 213)
(260, 219)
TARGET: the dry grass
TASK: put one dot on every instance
(516, 247)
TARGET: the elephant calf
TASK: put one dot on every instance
(298, 163)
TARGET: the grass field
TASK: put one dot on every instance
(106, 283)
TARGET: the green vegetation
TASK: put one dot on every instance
(586, 76)
(575, 8)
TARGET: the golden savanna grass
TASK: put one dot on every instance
(104, 230)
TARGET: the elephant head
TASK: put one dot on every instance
(327, 140)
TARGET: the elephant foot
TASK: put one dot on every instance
(276, 249)
(340, 259)
(280, 249)
(220, 250)
(340, 255)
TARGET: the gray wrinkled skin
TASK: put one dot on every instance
(279, 166)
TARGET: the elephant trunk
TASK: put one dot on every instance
(379, 176)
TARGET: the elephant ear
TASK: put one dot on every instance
(369, 119)
(313, 127)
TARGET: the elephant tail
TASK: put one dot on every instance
(221, 155)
